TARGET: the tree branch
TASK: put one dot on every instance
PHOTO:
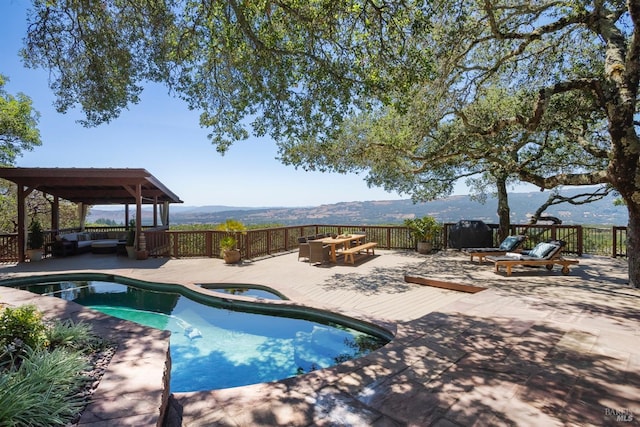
(556, 198)
(592, 178)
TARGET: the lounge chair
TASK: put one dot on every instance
(510, 244)
(319, 252)
(544, 254)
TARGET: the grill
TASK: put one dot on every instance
(470, 234)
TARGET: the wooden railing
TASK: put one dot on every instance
(257, 243)
(263, 242)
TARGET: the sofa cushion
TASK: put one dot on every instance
(118, 235)
(104, 243)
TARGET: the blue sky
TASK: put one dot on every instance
(161, 135)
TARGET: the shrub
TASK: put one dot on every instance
(41, 385)
(423, 229)
(22, 324)
(44, 390)
(67, 334)
(35, 238)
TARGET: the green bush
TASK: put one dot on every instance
(67, 334)
(35, 238)
(42, 368)
(43, 391)
(423, 229)
(22, 326)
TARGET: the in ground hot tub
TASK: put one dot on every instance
(253, 291)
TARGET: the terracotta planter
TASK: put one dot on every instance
(34, 254)
(141, 255)
(231, 256)
(425, 247)
(131, 252)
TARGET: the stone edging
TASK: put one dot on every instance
(134, 389)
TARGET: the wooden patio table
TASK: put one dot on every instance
(341, 240)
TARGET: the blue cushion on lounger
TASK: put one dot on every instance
(511, 243)
(542, 250)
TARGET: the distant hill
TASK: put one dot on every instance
(451, 209)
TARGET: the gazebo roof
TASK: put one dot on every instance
(92, 186)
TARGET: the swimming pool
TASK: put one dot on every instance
(213, 347)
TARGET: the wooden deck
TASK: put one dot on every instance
(532, 340)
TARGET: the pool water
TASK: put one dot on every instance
(213, 347)
(243, 290)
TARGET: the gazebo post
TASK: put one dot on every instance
(155, 211)
(138, 214)
(22, 231)
(23, 192)
(55, 214)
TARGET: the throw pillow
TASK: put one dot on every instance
(542, 250)
(509, 243)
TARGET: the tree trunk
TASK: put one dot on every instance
(504, 213)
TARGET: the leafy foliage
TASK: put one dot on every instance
(228, 243)
(18, 125)
(38, 206)
(131, 233)
(36, 235)
(75, 336)
(302, 66)
(231, 227)
(22, 324)
(41, 368)
(423, 229)
(43, 390)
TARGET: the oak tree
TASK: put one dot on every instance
(297, 69)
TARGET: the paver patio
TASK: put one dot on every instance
(535, 348)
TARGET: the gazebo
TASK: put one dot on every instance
(90, 186)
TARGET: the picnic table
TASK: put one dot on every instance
(342, 241)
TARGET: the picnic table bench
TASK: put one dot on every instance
(350, 252)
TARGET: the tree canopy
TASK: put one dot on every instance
(18, 125)
(292, 67)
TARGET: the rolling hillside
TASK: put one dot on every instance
(451, 209)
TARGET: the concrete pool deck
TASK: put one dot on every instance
(535, 348)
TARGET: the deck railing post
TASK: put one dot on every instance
(209, 244)
(176, 252)
(268, 241)
(286, 239)
(580, 235)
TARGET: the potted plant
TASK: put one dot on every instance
(35, 241)
(130, 245)
(423, 230)
(229, 244)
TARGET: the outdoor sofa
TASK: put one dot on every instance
(83, 242)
